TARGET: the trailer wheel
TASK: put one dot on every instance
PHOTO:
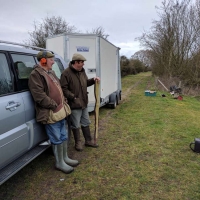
(120, 96)
(117, 98)
(114, 105)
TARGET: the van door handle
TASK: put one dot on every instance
(12, 105)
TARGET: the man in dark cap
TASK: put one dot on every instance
(48, 96)
(74, 82)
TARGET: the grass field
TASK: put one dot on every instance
(143, 154)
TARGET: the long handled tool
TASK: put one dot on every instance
(96, 110)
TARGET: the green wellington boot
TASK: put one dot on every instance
(60, 164)
(67, 160)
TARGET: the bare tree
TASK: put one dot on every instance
(99, 31)
(174, 39)
(144, 56)
(48, 27)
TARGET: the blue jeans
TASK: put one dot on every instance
(57, 132)
(79, 117)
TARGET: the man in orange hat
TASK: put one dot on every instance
(48, 96)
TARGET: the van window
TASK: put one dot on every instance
(6, 85)
(58, 67)
(23, 65)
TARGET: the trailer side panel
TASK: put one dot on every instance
(109, 68)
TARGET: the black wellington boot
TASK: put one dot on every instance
(88, 138)
(77, 138)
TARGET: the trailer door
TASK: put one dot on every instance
(109, 68)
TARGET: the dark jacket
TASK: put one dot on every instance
(74, 84)
(38, 85)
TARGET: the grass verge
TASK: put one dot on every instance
(143, 154)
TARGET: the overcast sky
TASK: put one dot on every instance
(122, 20)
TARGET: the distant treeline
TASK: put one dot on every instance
(132, 66)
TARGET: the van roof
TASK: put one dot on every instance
(22, 48)
(18, 47)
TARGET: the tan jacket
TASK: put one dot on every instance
(39, 88)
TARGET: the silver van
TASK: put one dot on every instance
(21, 137)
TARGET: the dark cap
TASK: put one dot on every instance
(44, 54)
(77, 56)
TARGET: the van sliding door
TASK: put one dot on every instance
(14, 138)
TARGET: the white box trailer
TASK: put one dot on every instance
(102, 61)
